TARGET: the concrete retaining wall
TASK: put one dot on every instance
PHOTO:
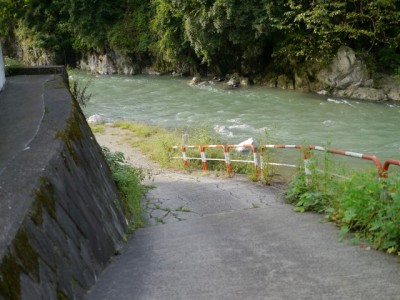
(2, 75)
(60, 217)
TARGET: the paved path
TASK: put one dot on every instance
(21, 112)
(219, 238)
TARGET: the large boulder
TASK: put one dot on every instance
(391, 87)
(195, 81)
(234, 81)
(348, 76)
(364, 93)
(344, 71)
(96, 119)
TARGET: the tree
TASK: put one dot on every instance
(316, 29)
(170, 48)
(131, 34)
(91, 20)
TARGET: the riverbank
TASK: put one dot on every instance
(118, 139)
(320, 192)
(160, 208)
(346, 77)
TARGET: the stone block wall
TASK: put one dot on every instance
(60, 217)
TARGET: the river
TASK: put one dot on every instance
(289, 117)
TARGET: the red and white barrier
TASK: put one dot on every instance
(382, 171)
(372, 158)
(226, 156)
(253, 150)
(386, 165)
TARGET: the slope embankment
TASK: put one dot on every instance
(60, 221)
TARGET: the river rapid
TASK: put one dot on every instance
(289, 117)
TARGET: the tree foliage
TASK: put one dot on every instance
(226, 35)
(316, 29)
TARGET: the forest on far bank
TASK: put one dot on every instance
(219, 36)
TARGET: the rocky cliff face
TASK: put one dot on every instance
(60, 216)
(348, 76)
(109, 63)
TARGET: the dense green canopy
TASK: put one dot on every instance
(226, 35)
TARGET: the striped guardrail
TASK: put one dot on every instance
(258, 156)
(386, 165)
(253, 150)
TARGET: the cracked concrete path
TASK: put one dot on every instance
(194, 196)
(21, 112)
(235, 239)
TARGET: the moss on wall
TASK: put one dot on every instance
(10, 285)
(45, 197)
(26, 254)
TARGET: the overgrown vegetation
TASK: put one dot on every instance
(363, 206)
(155, 142)
(9, 64)
(79, 91)
(221, 36)
(129, 183)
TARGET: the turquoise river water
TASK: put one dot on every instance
(290, 117)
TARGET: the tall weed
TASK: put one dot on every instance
(129, 183)
(370, 207)
(363, 205)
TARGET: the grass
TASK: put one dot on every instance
(98, 128)
(131, 190)
(183, 209)
(155, 141)
(9, 64)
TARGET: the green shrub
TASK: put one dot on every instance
(9, 64)
(129, 183)
(364, 205)
(370, 207)
(79, 91)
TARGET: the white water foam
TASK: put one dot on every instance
(341, 102)
(329, 123)
(223, 130)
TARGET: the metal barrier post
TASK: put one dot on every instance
(280, 146)
(203, 158)
(184, 157)
(227, 160)
(386, 164)
(226, 156)
(185, 160)
(255, 155)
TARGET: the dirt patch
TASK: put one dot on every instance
(117, 139)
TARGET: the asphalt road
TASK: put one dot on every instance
(214, 238)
